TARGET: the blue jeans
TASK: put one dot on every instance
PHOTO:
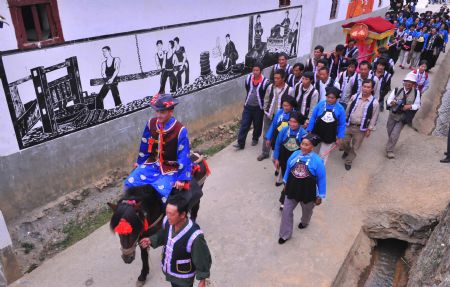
(250, 115)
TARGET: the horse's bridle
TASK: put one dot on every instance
(129, 251)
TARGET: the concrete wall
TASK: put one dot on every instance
(324, 9)
(9, 267)
(330, 34)
(426, 116)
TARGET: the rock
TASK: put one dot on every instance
(397, 224)
(431, 268)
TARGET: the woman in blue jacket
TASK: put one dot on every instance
(305, 183)
(280, 120)
(287, 142)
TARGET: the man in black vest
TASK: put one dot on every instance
(362, 114)
(447, 153)
(324, 81)
(351, 51)
(185, 254)
(110, 70)
(272, 103)
(311, 64)
(336, 61)
(282, 65)
(256, 85)
(306, 96)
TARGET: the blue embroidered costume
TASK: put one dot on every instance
(163, 156)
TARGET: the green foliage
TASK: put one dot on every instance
(76, 231)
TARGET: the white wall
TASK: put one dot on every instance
(324, 9)
(8, 141)
(195, 38)
(88, 18)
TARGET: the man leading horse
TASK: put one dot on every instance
(163, 160)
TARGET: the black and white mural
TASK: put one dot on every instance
(59, 90)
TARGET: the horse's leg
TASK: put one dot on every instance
(145, 267)
(194, 211)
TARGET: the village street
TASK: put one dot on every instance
(240, 218)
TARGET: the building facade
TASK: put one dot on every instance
(77, 76)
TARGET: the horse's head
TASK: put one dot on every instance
(132, 215)
(128, 222)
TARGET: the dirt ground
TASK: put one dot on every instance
(47, 231)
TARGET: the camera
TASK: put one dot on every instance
(398, 108)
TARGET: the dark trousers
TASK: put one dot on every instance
(102, 94)
(250, 115)
(184, 70)
(448, 143)
(168, 74)
(175, 285)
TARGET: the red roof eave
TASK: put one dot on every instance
(375, 24)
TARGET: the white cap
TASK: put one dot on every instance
(411, 77)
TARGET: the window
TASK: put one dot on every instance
(334, 6)
(36, 23)
(284, 3)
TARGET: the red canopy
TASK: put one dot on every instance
(375, 24)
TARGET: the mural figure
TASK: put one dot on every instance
(258, 32)
(278, 42)
(286, 23)
(293, 40)
(110, 70)
(159, 56)
(43, 108)
(181, 63)
(231, 54)
(168, 69)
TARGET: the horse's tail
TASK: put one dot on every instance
(200, 168)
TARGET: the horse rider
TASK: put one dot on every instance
(163, 160)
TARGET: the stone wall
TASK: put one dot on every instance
(427, 116)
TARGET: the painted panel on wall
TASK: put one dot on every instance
(56, 91)
(359, 7)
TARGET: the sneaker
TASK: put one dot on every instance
(238, 146)
(262, 157)
(281, 207)
(390, 155)
(445, 160)
(344, 155)
(278, 183)
(254, 142)
(348, 166)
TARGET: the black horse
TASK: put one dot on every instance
(140, 211)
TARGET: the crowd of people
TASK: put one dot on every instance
(333, 101)
(418, 36)
(304, 112)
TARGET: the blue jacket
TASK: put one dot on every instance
(278, 118)
(409, 22)
(339, 112)
(315, 166)
(183, 151)
(444, 34)
(283, 135)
